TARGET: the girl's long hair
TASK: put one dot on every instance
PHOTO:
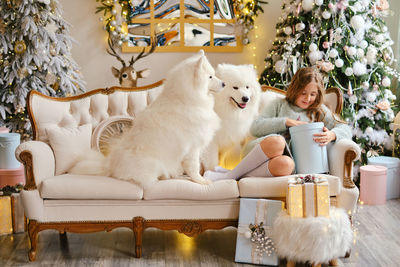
(300, 80)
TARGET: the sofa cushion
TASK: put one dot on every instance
(72, 186)
(277, 186)
(68, 144)
(185, 189)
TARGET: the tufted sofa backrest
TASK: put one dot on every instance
(91, 107)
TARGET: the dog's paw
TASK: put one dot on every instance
(201, 180)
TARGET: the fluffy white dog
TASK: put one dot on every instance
(237, 105)
(170, 134)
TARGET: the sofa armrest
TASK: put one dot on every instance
(39, 162)
(341, 156)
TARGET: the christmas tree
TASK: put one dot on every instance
(350, 43)
(34, 55)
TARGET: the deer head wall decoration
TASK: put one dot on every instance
(127, 75)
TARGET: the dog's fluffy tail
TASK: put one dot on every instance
(92, 162)
(141, 170)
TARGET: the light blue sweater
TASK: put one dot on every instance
(273, 118)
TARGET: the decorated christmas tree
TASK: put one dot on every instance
(350, 43)
(34, 55)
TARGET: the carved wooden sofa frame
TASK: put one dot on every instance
(189, 227)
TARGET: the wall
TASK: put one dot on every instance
(90, 50)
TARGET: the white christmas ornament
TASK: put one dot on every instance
(288, 30)
(386, 81)
(333, 53)
(313, 47)
(363, 44)
(348, 71)
(319, 2)
(353, 99)
(326, 14)
(369, 130)
(300, 26)
(314, 56)
(339, 62)
(351, 51)
(360, 52)
(365, 85)
(357, 7)
(280, 66)
(307, 5)
(359, 68)
(357, 22)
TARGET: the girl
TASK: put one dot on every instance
(268, 155)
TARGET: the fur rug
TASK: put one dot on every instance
(313, 239)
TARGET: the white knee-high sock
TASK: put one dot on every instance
(255, 158)
(260, 171)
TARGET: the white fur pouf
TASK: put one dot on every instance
(312, 239)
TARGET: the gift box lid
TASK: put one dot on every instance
(8, 172)
(9, 137)
(306, 127)
(389, 162)
(4, 130)
(374, 169)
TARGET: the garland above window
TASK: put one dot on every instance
(132, 22)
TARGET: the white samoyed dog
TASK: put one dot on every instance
(168, 137)
(237, 106)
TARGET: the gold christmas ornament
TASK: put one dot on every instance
(50, 78)
(53, 50)
(22, 73)
(19, 109)
(20, 47)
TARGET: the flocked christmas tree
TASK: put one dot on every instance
(34, 55)
(350, 43)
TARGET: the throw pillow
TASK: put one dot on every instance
(68, 144)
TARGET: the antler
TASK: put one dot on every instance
(114, 53)
(142, 54)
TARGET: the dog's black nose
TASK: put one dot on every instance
(245, 99)
(223, 84)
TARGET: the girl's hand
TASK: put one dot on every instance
(290, 122)
(325, 137)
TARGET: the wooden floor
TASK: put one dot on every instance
(376, 243)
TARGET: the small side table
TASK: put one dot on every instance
(316, 240)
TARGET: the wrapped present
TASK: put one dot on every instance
(12, 216)
(393, 174)
(307, 196)
(256, 217)
(5, 215)
(18, 214)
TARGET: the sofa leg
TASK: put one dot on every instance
(291, 264)
(138, 227)
(33, 230)
(334, 262)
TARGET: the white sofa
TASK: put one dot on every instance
(82, 204)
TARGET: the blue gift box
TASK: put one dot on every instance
(393, 174)
(8, 144)
(256, 213)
